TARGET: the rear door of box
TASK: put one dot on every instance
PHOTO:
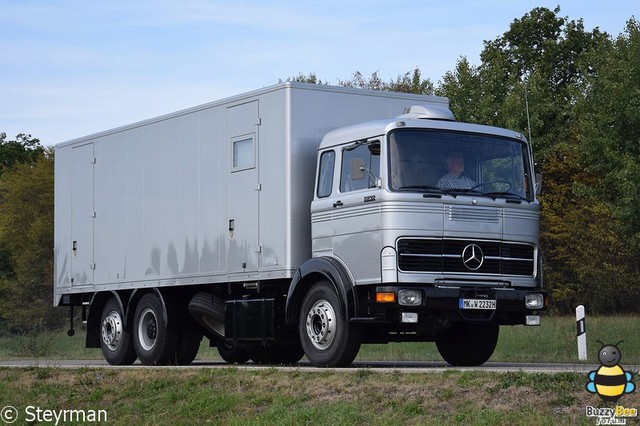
(82, 215)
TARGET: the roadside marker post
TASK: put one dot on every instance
(581, 333)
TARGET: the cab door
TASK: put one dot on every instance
(356, 211)
(322, 206)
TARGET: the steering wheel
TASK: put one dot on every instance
(480, 185)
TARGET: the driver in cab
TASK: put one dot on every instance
(455, 179)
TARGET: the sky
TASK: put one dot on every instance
(72, 68)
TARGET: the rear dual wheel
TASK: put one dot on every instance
(151, 340)
(115, 341)
(155, 342)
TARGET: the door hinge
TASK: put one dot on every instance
(92, 266)
(259, 187)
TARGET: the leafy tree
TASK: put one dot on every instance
(24, 149)
(26, 233)
(359, 81)
(410, 82)
(581, 89)
(609, 114)
(301, 78)
(539, 59)
(463, 88)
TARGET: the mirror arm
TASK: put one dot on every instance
(375, 178)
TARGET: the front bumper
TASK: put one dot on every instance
(444, 304)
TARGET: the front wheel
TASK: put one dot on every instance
(188, 346)
(468, 344)
(327, 339)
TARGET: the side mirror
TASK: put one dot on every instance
(538, 184)
(357, 169)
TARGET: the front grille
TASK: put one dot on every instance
(446, 256)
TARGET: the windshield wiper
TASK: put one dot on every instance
(464, 191)
(428, 190)
(510, 196)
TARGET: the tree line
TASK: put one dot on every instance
(574, 93)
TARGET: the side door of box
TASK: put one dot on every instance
(243, 193)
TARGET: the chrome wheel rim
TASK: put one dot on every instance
(321, 324)
(111, 331)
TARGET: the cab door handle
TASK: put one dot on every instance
(337, 204)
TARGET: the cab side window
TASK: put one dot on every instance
(325, 174)
(360, 167)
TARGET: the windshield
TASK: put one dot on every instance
(455, 163)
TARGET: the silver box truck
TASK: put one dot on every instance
(298, 220)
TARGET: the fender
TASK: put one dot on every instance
(133, 302)
(312, 271)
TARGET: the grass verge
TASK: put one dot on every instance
(237, 397)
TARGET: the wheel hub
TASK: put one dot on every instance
(111, 330)
(321, 324)
(147, 329)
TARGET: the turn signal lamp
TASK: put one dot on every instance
(385, 297)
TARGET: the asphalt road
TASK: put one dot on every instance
(381, 366)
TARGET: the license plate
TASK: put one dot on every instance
(486, 304)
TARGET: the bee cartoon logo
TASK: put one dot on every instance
(610, 381)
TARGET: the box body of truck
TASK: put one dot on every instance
(296, 219)
(218, 193)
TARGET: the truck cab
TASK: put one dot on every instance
(435, 224)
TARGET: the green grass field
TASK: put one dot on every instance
(232, 396)
(229, 396)
(553, 341)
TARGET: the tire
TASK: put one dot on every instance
(188, 347)
(291, 354)
(282, 355)
(232, 354)
(208, 310)
(326, 338)
(115, 341)
(155, 344)
(466, 345)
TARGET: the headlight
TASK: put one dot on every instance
(409, 297)
(534, 301)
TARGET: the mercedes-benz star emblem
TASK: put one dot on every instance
(472, 257)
